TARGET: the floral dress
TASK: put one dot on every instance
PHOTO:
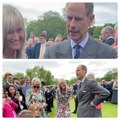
(32, 98)
(63, 99)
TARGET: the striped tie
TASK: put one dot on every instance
(77, 51)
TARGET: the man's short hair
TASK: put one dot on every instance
(84, 67)
(89, 8)
(8, 74)
(16, 78)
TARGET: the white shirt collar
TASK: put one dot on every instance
(82, 43)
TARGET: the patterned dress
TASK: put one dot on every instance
(65, 100)
(31, 97)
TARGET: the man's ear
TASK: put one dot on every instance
(90, 20)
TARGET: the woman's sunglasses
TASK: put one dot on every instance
(36, 87)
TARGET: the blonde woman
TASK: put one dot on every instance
(13, 33)
(63, 96)
(35, 101)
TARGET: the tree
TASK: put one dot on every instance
(97, 32)
(42, 74)
(19, 75)
(91, 30)
(73, 80)
(112, 74)
(50, 21)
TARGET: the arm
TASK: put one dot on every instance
(27, 97)
(101, 92)
(13, 105)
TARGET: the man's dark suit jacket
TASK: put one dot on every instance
(37, 50)
(110, 41)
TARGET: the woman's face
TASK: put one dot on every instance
(12, 90)
(63, 86)
(36, 87)
(15, 38)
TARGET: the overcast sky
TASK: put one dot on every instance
(105, 12)
(62, 68)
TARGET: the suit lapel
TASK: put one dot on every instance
(65, 50)
(80, 91)
(89, 50)
(38, 49)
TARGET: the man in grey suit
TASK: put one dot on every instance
(87, 99)
(79, 17)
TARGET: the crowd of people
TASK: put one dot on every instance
(79, 43)
(29, 95)
(32, 96)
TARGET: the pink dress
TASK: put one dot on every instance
(9, 109)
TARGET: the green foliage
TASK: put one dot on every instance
(91, 30)
(112, 74)
(97, 32)
(72, 81)
(50, 21)
(19, 75)
(42, 74)
(54, 24)
(98, 79)
(109, 24)
(3, 81)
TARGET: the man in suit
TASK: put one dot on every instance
(79, 17)
(87, 99)
(40, 47)
(107, 35)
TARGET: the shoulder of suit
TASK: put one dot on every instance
(100, 44)
(66, 41)
(37, 44)
(91, 81)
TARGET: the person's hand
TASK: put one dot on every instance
(17, 96)
(3, 101)
(9, 99)
(63, 106)
(40, 107)
(92, 104)
(36, 113)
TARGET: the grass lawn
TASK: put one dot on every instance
(108, 110)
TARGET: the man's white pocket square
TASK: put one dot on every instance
(84, 91)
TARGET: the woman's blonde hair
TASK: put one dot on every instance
(62, 81)
(11, 16)
(36, 80)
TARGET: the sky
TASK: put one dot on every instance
(62, 68)
(104, 12)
